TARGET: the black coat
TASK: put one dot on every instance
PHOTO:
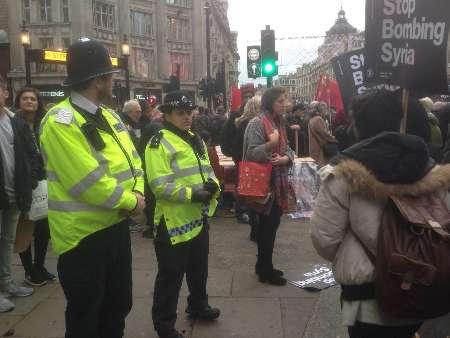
(27, 166)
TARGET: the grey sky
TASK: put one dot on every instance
(289, 18)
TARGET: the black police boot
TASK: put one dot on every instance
(272, 279)
(274, 271)
(172, 334)
(206, 313)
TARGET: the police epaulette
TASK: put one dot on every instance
(156, 140)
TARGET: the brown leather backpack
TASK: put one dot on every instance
(412, 274)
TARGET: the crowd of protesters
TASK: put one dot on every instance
(364, 147)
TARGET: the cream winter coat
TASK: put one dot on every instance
(351, 201)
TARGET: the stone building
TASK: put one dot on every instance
(342, 37)
(164, 35)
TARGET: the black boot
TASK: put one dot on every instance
(207, 313)
(172, 334)
(274, 271)
(272, 279)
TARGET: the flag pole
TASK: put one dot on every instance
(405, 100)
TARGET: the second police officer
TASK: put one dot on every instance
(182, 179)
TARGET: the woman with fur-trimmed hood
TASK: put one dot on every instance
(352, 198)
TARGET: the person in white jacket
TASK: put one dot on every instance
(351, 201)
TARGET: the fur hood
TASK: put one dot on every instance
(360, 180)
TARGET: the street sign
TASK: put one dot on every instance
(57, 57)
(254, 61)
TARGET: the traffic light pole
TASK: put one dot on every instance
(208, 53)
(269, 82)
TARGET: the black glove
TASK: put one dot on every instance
(211, 186)
(201, 196)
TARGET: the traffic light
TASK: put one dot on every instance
(203, 88)
(174, 84)
(269, 67)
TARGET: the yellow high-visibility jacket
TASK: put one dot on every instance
(173, 173)
(88, 190)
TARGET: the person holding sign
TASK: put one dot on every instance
(352, 199)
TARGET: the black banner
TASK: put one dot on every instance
(406, 43)
(349, 69)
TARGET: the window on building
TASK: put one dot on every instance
(104, 15)
(45, 10)
(65, 10)
(141, 23)
(66, 43)
(182, 59)
(178, 29)
(112, 49)
(46, 43)
(181, 3)
(26, 7)
(142, 63)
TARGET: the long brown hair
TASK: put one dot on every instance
(40, 112)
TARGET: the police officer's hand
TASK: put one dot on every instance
(211, 186)
(201, 196)
(139, 206)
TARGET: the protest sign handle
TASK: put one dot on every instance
(296, 144)
(405, 99)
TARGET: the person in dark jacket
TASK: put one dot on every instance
(296, 124)
(30, 108)
(132, 113)
(232, 147)
(18, 177)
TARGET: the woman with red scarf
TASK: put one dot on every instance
(265, 141)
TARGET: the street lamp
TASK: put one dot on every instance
(207, 9)
(26, 43)
(126, 55)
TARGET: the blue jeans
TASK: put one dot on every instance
(8, 224)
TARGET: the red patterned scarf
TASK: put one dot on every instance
(280, 179)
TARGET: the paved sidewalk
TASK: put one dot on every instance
(249, 309)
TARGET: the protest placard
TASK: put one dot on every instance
(406, 44)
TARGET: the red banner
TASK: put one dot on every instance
(328, 92)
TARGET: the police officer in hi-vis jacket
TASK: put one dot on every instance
(181, 177)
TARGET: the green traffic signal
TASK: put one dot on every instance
(269, 68)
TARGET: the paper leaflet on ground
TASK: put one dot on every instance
(305, 183)
(318, 279)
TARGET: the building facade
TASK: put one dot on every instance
(341, 38)
(166, 37)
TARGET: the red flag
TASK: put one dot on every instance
(236, 99)
(328, 91)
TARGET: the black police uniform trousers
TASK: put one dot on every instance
(173, 262)
(97, 282)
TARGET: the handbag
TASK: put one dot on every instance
(254, 180)
(39, 202)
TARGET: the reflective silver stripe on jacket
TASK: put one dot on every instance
(72, 206)
(124, 176)
(162, 180)
(51, 176)
(184, 229)
(170, 188)
(88, 181)
(114, 198)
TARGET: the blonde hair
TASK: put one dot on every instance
(251, 110)
(427, 103)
